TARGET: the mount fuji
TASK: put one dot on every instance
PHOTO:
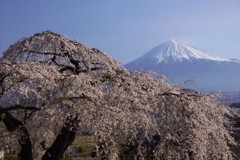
(180, 62)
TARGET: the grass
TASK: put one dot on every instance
(84, 145)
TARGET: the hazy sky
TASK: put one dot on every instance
(126, 29)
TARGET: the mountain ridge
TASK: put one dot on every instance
(181, 62)
(178, 51)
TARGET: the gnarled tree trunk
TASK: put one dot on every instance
(63, 140)
(24, 140)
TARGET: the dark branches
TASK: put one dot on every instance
(26, 110)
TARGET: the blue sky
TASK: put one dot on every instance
(126, 29)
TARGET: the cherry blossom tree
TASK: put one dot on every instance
(53, 87)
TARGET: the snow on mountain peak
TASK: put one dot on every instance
(173, 50)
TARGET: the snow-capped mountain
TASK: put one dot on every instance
(181, 62)
(175, 51)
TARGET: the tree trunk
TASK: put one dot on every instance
(24, 140)
(63, 140)
(26, 145)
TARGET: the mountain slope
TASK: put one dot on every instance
(181, 62)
